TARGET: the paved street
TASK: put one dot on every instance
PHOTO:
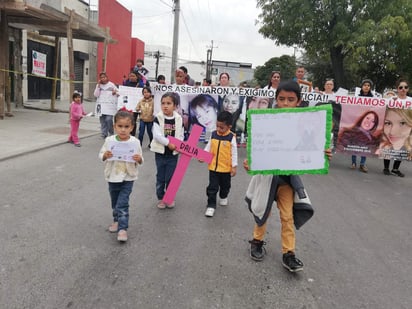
(57, 252)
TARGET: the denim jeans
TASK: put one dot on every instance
(106, 125)
(166, 166)
(142, 126)
(362, 160)
(119, 195)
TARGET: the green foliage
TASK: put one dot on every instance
(351, 39)
(285, 64)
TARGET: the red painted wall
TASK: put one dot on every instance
(119, 55)
(137, 51)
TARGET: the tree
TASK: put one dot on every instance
(284, 64)
(339, 28)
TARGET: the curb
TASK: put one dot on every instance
(51, 145)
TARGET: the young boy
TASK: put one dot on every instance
(223, 146)
(280, 189)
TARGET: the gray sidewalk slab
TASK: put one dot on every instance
(35, 128)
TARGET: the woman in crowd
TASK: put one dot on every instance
(224, 81)
(329, 86)
(397, 131)
(134, 80)
(366, 91)
(273, 81)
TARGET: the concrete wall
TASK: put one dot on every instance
(113, 15)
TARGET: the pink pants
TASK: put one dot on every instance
(74, 130)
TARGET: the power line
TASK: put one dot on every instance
(170, 6)
(158, 15)
(190, 37)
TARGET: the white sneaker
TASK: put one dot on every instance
(223, 202)
(209, 212)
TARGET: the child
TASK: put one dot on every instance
(224, 148)
(139, 68)
(146, 107)
(121, 174)
(106, 103)
(166, 123)
(280, 189)
(180, 77)
(76, 114)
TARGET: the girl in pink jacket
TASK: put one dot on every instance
(76, 114)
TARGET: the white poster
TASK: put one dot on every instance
(39, 63)
(129, 97)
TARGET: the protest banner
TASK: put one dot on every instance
(344, 106)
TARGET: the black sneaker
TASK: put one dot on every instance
(291, 262)
(397, 173)
(386, 171)
(257, 251)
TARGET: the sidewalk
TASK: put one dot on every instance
(34, 128)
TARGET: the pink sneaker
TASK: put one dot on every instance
(113, 227)
(122, 235)
(161, 204)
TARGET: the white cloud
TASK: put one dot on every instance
(229, 23)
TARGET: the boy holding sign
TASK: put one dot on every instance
(263, 190)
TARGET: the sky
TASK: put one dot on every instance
(231, 24)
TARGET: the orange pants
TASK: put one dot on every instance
(284, 199)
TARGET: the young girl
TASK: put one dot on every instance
(76, 114)
(121, 170)
(146, 107)
(166, 123)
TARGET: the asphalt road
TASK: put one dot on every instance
(56, 251)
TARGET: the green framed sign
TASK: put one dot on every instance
(289, 141)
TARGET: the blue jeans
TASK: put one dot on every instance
(166, 166)
(106, 125)
(142, 127)
(362, 160)
(119, 195)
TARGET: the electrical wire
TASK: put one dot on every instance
(190, 37)
(170, 6)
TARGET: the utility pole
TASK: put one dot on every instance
(157, 62)
(175, 40)
(209, 61)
